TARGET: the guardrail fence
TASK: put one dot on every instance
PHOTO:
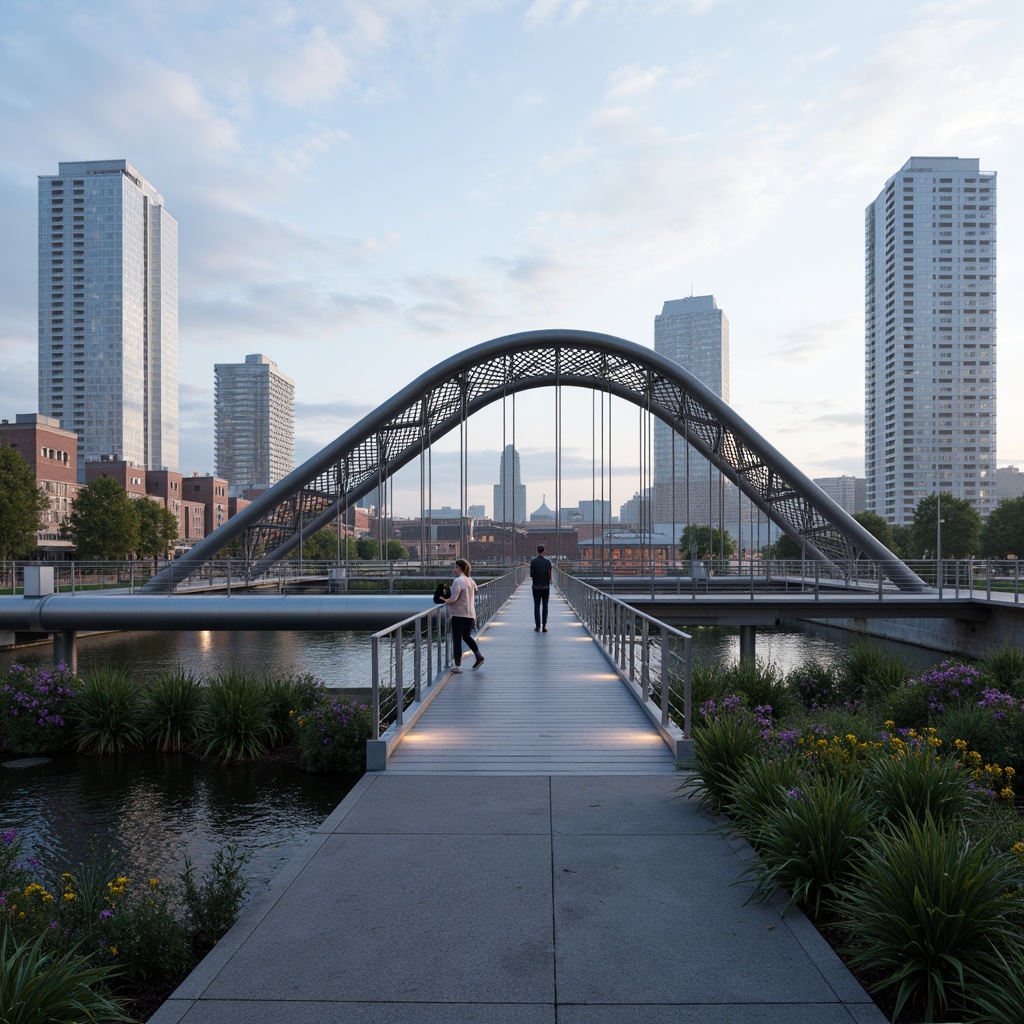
(651, 655)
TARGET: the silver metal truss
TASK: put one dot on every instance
(405, 426)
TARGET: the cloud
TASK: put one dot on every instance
(542, 12)
(812, 342)
(630, 82)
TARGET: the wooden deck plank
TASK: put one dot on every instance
(541, 704)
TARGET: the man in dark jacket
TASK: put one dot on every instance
(540, 573)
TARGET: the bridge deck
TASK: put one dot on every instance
(541, 704)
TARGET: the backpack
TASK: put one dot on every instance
(441, 593)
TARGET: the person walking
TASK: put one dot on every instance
(463, 614)
(540, 573)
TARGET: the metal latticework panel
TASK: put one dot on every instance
(402, 428)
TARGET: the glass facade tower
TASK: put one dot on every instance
(510, 493)
(254, 405)
(695, 333)
(108, 313)
(930, 337)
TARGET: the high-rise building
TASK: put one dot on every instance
(695, 333)
(254, 424)
(849, 492)
(108, 313)
(930, 337)
(510, 491)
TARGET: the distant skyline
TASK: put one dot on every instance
(363, 190)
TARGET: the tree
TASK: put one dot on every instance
(396, 551)
(961, 527)
(104, 522)
(903, 539)
(787, 548)
(22, 504)
(877, 527)
(1003, 532)
(158, 529)
(323, 547)
(705, 542)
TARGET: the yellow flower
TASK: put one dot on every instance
(1009, 771)
(1017, 848)
(47, 898)
(1006, 793)
(154, 882)
(113, 950)
(960, 744)
(70, 897)
(889, 724)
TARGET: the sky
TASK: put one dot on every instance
(363, 189)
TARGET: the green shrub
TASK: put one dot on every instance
(213, 901)
(764, 785)
(814, 685)
(332, 736)
(39, 986)
(997, 995)
(916, 782)
(761, 684)
(108, 715)
(153, 943)
(928, 907)
(236, 718)
(289, 696)
(867, 675)
(15, 871)
(808, 847)
(1004, 669)
(35, 705)
(722, 746)
(908, 705)
(172, 711)
(707, 682)
(972, 724)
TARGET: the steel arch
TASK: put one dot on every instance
(394, 434)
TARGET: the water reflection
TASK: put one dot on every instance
(150, 810)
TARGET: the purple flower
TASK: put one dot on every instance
(104, 914)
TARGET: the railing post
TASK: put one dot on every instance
(632, 644)
(417, 665)
(988, 581)
(817, 581)
(399, 679)
(687, 687)
(227, 579)
(664, 677)
(645, 678)
(430, 650)
(375, 683)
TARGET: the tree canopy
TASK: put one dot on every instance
(158, 528)
(961, 527)
(785, 547)
(104, 522)
(22, 504)
(706, 542)
(1003, 532)
(878, 528)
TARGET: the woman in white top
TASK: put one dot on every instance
(463, 613)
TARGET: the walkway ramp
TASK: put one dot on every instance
(541, 704)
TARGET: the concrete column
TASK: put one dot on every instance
(65, 649)
(747, 643)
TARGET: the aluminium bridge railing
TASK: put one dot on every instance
(653, 658)
(411, 658)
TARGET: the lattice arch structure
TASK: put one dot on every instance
(402, 429)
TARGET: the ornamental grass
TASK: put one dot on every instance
(236, 720)
(109, 713)
(930, 908)
(172, 711)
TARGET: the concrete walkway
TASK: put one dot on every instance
(529, 898)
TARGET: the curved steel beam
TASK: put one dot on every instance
(432, 405)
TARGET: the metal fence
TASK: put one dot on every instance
(410, 657)
(651, 655)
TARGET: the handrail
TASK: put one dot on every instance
(647, 666)
(397, 703)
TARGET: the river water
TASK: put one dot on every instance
(152, 810)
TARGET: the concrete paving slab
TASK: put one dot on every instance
(623, 805)
(406, 918)
(307, 1012)
(452, 805)
(759, 1013)
(665, 911)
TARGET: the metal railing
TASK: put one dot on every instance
(976, 578)
(409, 658)
(655, 658)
